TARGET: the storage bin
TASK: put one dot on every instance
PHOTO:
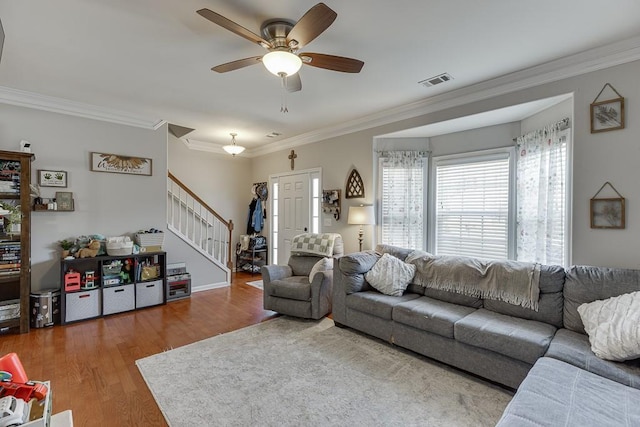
(149, 293)
(82, 305)
(150, 239)
(121, 245)
(118, 299)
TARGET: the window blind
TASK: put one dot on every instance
(472, 207)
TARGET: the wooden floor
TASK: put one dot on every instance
(91, 364)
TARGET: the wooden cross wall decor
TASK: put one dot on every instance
(292, 157)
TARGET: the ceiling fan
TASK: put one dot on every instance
(283, 39)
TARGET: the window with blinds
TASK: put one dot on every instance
(472, 206)
(402, 198)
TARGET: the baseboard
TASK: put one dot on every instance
(209, 287)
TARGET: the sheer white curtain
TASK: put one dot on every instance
(541, 194)
(402, 192)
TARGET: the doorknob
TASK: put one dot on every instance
(305, 229)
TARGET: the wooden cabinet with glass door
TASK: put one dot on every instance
(15, 238)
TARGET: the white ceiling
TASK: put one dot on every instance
(152, 58)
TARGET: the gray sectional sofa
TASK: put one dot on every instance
(545, 354)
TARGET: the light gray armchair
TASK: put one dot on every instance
(287, 289)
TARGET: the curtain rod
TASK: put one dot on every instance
(562, 125)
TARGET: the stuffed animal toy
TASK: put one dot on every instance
(90, 251)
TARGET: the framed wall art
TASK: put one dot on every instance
(607, 114)
(50, 178)
(118, 163)
(64, 200)
(607, 212)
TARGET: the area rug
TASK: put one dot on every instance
(256, 284)
(290, 372)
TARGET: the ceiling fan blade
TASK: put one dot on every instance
(238, 29)
(293, 83)
(311, 25)
(235, 65)
(332, 62)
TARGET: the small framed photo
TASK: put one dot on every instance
(607, 115)
(64, 200)
(607, 213)
(49, 178)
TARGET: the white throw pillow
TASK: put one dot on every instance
(325, 264)
(613, 326)
(390, 275)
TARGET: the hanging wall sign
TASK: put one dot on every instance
(355, 186)
(607, 114)
(116, 163)
(607, 212)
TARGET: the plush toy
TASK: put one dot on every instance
(90, 251)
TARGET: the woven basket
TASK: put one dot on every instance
(150, 239)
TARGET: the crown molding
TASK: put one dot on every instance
(37, 101)
(570, 66)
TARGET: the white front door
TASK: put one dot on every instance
(293, 205)
(295, 210)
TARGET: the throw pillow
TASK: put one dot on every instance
(390, 275)
(325, 264)
(613, 326)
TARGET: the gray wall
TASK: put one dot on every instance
(105, 203)
(608, 156)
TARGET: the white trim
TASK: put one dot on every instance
(209, 287)
(37, 101)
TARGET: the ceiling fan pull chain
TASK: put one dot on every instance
(283, 104)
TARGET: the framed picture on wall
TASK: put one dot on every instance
(49, 178)
(118, 163)
(607, 114)
(607, 213)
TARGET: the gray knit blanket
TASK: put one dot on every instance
(513, 282)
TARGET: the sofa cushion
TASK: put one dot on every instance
(375, 303)
(549, 309)
(586, 284)
(430, 315)
(453, 297)
(558, 394)
(301, 265)
(352, 267)
(522, 339)
(295, 287)
(574, 348)
(390, 275)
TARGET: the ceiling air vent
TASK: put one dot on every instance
(436, 80)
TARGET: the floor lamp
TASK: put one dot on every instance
(361, 215)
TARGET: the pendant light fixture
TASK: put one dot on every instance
(233, 148)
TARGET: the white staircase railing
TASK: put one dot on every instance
(191, 219)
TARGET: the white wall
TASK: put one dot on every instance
(105, 203)
(608, 156)
(549, 116)
(224, 183)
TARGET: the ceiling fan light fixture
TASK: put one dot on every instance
(281, 62)
(233, 148)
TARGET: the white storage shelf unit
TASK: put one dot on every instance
(114, 293)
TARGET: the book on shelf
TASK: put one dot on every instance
(9, 265)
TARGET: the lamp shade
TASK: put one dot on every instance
(281, 62)
(361, 215)
(233, 149)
